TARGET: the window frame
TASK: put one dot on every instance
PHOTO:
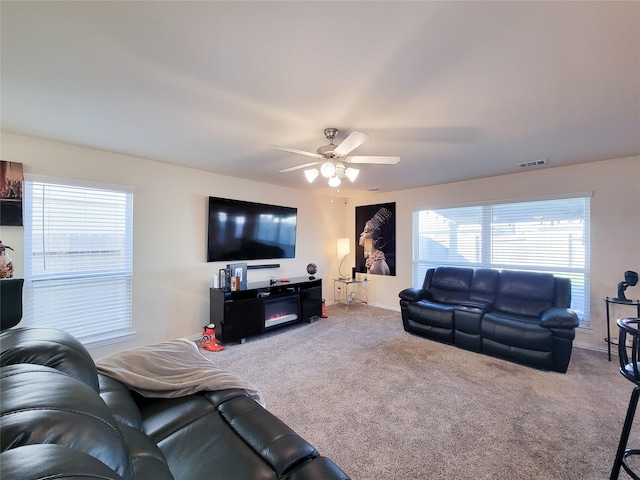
(110, 277)
(419, 265)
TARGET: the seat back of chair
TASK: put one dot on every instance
(629, 340)
(10, 302)
(450, 285)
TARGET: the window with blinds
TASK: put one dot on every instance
(78, 259)
(543, 236)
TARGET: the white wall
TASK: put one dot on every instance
(615, 226)
(171, 278)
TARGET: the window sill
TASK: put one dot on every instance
(101, 341)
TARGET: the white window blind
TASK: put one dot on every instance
(543, 236)
(78, 259)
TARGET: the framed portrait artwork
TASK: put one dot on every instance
(376, 239)
(239, 270)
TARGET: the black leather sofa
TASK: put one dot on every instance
(61, 419)
(515, 315)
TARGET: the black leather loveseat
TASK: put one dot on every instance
(61, 419)
(515, 315)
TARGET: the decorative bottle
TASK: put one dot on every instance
(6, 264)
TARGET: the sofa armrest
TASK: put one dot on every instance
(320, 467)
(147, 460)
(414, 294)
(49, 347)
(120, 402)
(52, 461)
(276, 443)
(559, 318)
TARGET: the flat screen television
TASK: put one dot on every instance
(239, 230)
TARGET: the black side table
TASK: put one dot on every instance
(608, 301)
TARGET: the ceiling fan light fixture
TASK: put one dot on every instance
(311, 174)
(328, 169)
(351, 173)
(333, 159)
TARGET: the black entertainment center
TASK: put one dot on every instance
(263, 306)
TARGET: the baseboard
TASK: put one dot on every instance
(594, 348)
(377, 305)
(385, 307)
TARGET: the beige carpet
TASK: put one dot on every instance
(385, 404)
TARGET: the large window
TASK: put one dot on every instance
(78, 258)
(542, 236)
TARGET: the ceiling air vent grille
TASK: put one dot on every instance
(535, 163)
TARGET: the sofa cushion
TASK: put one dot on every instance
(525, 356)
(161, 419)
(432, 313)
(524, 293)
(450, 285)
(562, 292)
(199, 443)
(483, 285)
(515, 331)
(430, 319)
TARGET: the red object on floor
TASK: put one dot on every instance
(209, 338)
(324, 310)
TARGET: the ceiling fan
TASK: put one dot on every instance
(334, 157)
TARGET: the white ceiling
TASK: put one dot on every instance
(458, 90)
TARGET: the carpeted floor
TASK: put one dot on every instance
(385, 404)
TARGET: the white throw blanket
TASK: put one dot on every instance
(171, 369)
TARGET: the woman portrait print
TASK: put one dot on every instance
(375, 226)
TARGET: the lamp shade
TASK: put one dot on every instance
(328, 169)
(311, 174)
(343, 247)
(334, 182)
(352, 173)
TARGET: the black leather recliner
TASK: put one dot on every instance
(516, 315)
(60, 419)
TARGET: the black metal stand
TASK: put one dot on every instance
(608, 301)
(622, 452)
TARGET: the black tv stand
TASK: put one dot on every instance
(263, 306)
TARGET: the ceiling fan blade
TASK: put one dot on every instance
(291, 169)
(295, 150)
(380, 160)
(353, 141)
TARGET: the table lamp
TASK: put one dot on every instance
(343, 249)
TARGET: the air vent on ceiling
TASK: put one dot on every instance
(535, 163)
